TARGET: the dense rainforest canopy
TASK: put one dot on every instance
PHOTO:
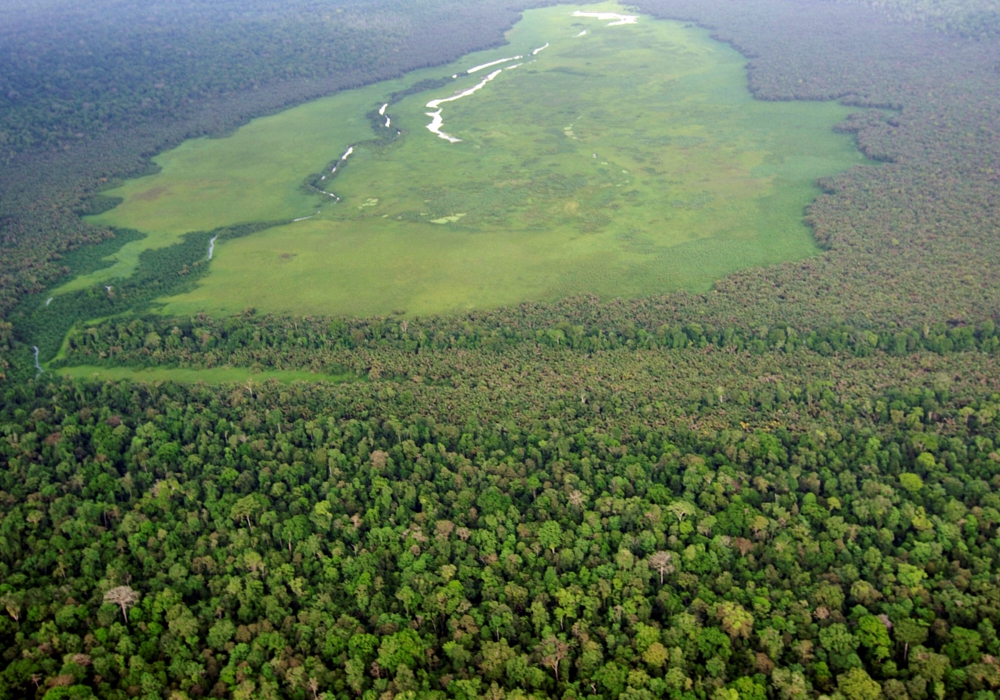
(975, 18)
(786, 488)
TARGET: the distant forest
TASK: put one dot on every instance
(972, 18)
(68, 72)
(785, 488)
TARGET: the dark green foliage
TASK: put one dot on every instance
(267, 341)
(280, 535)
(973, 18)
(98, 204)
(418, 87)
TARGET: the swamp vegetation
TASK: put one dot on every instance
(626, 162)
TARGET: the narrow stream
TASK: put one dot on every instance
(37, 366)
(476, 69)
(211, 246)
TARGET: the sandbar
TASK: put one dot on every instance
(604, 16)
(448, 219)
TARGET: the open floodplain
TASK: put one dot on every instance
(621, 156)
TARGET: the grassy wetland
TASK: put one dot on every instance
(624, 158)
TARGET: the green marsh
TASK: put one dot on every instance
(621, 160)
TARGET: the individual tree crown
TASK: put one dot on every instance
(124, 597)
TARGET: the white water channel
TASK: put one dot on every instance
(476, 69)
(211, 246)
(37, 366)
(437, 121)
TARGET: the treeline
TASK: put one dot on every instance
(276, 341)
(310, 542)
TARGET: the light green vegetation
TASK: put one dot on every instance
(254, 175)
(626, 162)
(216, 375)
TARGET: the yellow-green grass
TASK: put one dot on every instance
(692, 179)
(215, 375)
